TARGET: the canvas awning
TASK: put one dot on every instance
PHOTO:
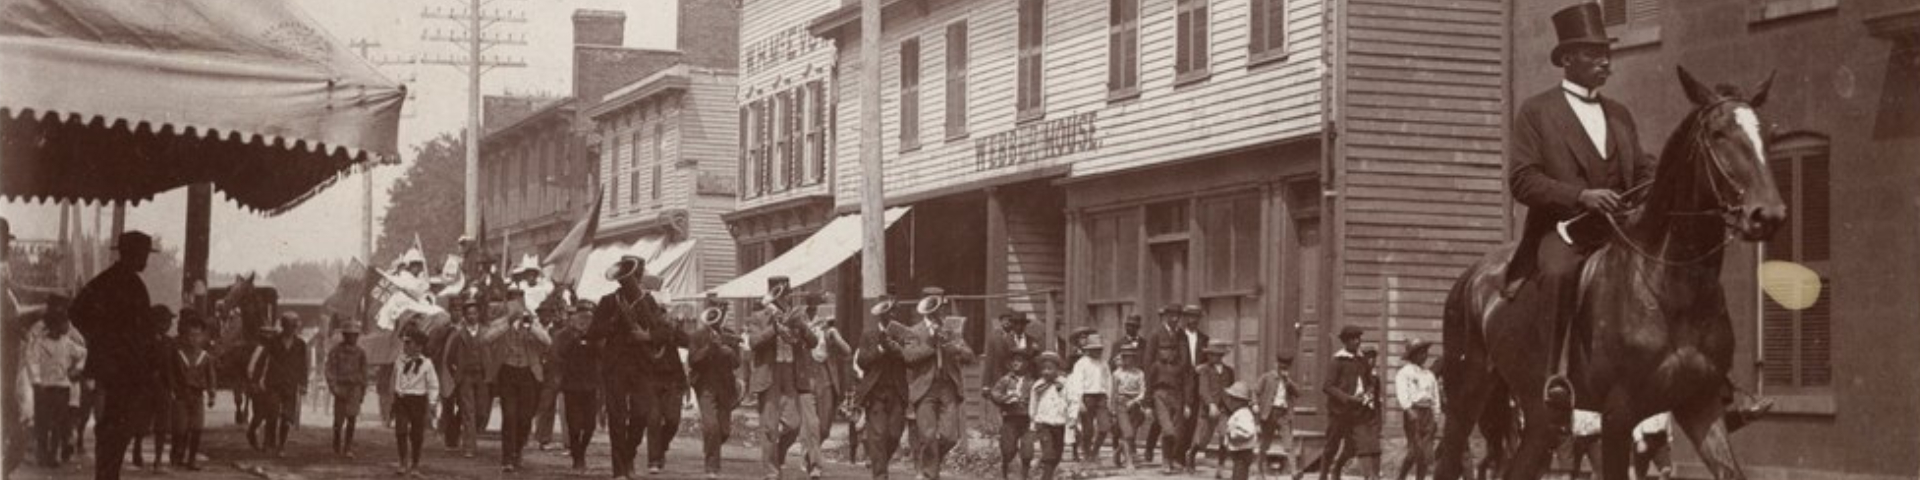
(814, 257)
(673, 270)
(110, 100)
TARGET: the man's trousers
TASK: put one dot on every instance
(519, 396)
(1169, 411)
(941, 424)
(784, 418)
(886, 421)
(716, 423)
(583, 412)
(627, 408)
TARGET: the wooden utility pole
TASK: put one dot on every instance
(873, 238)
(476, 21)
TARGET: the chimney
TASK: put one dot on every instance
(599, 27)
(709, 32)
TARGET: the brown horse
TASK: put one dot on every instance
(1660, 336)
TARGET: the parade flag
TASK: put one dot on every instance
(569, 257)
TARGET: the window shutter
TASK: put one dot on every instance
(957, 63)
(1613, 12)
(745, 153)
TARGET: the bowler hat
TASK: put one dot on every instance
(1351, 331)
(1219, 347)
(1239, 390)
(133, 242)
(1132, 320)
(1193, 311)
(1581, 24)
(627, 266)
(1170, 309)
(1092, 341)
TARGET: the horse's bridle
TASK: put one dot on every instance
(1727, 210)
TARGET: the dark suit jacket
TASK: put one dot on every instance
(764, 342)
(626, 334)
(713, 355)
(1160, 336)
(927, 361)
(884, 370)
(1553, 160)
(1344, 383)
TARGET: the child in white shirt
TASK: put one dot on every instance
(1049, 413)
(1243, 430)
(415, 385)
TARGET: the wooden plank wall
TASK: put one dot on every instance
(1239, 106)
(1423, 189)
(777, 53)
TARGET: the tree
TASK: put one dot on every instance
(429, 201)
(305, 279)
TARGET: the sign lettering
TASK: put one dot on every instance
(1037, 141)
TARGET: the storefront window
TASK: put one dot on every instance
(1167, 217)
(1230, 228)
(1114, 239)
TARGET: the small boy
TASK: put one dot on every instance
(1087, 389)
(1012, 393)
(1049, 412)
(1273, 407)
(1170, 384)
(347, 379)
(156, 422)
(192, 394)
(1213, 376)
(415, 385)
(1129, 403)
(1241, 429)
(55, 356)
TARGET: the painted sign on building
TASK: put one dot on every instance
(1037, 141)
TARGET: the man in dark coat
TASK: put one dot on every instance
(1012, 339)
(107, 312)
(780, 341)
(713, 353)
(1166, 337)
(283, 383)
(883, 388)
(1573, 151)
(578, 369)
(665, 389)
(1348, 401)
(935, 356)
(624, 323)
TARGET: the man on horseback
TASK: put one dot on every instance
(1574, 152)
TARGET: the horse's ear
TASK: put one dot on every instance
(1696, 92)
(1760, 93)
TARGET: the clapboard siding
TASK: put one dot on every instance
(778, 27)
(718, 261)
(1036, 258)
(1423, 191)
(1236, 107)
(710, 129)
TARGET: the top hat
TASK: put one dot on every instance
(1351, 331)
(1417, 347)
(133, 242)
(1581, 24)
(627, 266)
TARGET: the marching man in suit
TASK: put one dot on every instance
(883, 389)
(1574, 151)
(780, 340)
(934, 355)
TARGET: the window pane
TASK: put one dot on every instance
(1816, 335)
(1102, 241)
(1216, 228)
(1814, 212)
(1780, 247)
(957, 79)
(1167, 217)
(1126, 256)
(1246, 242)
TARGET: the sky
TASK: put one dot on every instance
(328, 226)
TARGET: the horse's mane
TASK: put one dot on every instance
(1682, 147)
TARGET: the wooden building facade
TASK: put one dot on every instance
(1843, 122)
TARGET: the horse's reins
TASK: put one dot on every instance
(1717, 171)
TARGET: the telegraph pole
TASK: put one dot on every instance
(873, 258)
(476, 22)
(366, 178)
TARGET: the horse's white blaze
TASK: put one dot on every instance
(1750, 123)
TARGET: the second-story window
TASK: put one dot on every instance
(1123, 48)
(957, 79)
(910, 94)
(746, 158)
(1033, 26)
(783, 146)
(1190, 41)
(633, 168)
(816, 131)
(763, 133)
(797, 129)
(1268, 29)
(659, 155)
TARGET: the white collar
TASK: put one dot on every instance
(1343, 353)
(1577, 90)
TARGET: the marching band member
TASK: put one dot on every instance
(934, 356)
(883, 387)
(780, 339)
(624, 323)
(713, 352)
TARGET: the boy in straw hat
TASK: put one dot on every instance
(1128, 402)
(1087, 389)
(1242, 430)
(347, 380)
(193, 393)
(1418, 392)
